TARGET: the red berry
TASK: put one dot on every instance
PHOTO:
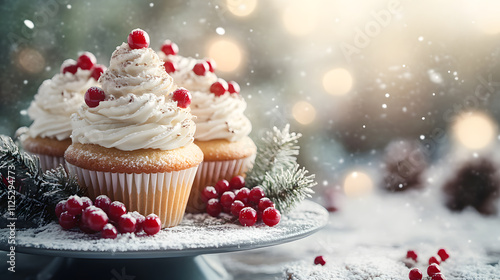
(87, 202)
(236, 208)
(222, 186)
(411, 255)
(109, 231)
(226, 199)
(67, 220)
(271, 216)
(265, 203)
(116, 210)
(219, 88)
(438, 276)
(70, 68)
(138, 39)
(94, 96)
(433, 269)
(415, 274)
(201, 68)
(319, 260)
(211, 65)
(248, 216)
(96, 220)
(169, 48)
(86, 214)
(443, 254)
(433, 260)
(209, 193)
(152, 224)
(86, 61)
(127, 223)
(60, 207)
(242, 195)
(233, 87)
(237, 182)
(183, 97)
(74, 205)
(256, 194)
(97, 71)
(139, 221)
(103, 202)
(214, 207)
(169, 66)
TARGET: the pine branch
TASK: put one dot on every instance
(288, 187)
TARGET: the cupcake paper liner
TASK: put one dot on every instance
(209, 172)
(50, 162)
(165, 194)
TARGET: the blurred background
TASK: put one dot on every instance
(350, 75)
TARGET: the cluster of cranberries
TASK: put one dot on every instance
(245, 204)
(433, 270)
(103, 216)
(86, 61)
(220, 87)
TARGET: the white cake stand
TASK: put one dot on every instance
(175, 253)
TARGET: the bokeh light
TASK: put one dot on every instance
(474, 130)
(301, 17)
(337, 81)
(241, 8)
(227, 54)
(357, 184)
(31, 60)
(303, 112)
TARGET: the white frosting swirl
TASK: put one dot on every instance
(139, 113)
(55, 101)
(219, 117)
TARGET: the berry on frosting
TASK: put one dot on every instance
(319, 260)
(433, 260)
(169, 66)
(211, 65)
(183, 97)
(411, 255)
(415, 274)
(233, 87)
(219, 87)
(94, 96)
(433, 269)
(201, 68)
(138, 39)
(97, 71)
(169, 48)
(443, 254)
(72, 68)
(86, 61)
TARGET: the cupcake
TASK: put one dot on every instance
(133, 139)
(48, 137)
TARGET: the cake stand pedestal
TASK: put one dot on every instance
(182, 252)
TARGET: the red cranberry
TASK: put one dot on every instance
(438, 276)
(222, 186)
(201, 68)
(67, 220)
(411, 255)
(242, 195)
(127, 223)
(265, 203)
(319, 260)
(214, 207)
(211, 65)
(183, 97)
(236, 208)
(116, 210)
(237, 182)
(256, 194)
(71, 69)
(443, 254)
(433, 269)
(86, 61)
(152, 224)
(94, 96)
(103, 202)
(74, 205)
(169, 48)
(96, 220)
(209, 193)
(219, 87)
(109, 231)
(87, 202)
(233, 87)
(415, 274)
(86, 214)
(433, 260)
(248, 216)
(139, 221)
(60, 207)
(97, 71)
(271, 216)
(226, 199)
(169, 66)
(138, 39)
